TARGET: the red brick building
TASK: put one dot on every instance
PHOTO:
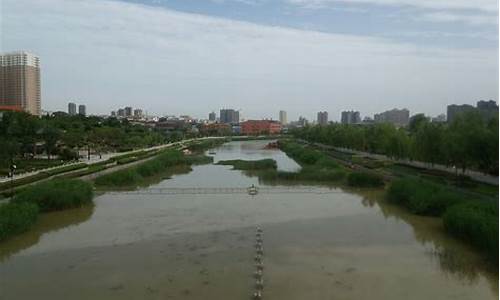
(256, 127)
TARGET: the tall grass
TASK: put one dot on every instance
(57, 194)
(422, 197)
(239, 164)
(16, 218)
(206, 144)
(477, 223)
(135, 175)
(364, 179)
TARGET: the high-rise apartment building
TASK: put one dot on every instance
(322, 118)
(128, 111)
(350, 117)
(138, 113)
(453, 110)
(71, 109)
(82, 110)
(283, 119)
(20, 81)
(229, 116)
(398, 117)
(212, 116)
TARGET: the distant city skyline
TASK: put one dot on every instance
(169, 58)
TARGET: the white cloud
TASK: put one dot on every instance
(110, 54)
(483, 5)
(462, 18)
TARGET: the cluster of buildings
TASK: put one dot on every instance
(20, 90)
(82, 109)
(229, 122)
(487, 109)
(128, 113)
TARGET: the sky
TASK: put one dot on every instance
(259, 56)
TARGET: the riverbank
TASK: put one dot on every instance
(22, 211)
(115, 163)
(159, 165)
(66, 192)
(466, 216)
(320, 242)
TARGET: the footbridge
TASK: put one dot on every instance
(228, 190)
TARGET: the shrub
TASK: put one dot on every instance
(56, 194)
(16, 218)
(475, 222)
(364, 179)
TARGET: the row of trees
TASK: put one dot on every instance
(469, 141)
(23, 135)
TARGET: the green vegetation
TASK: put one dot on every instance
(470, 141)
(422, 197)
(16, 218)
(308, 173)
(239, 164)
(90, 170)
(135, 175)
(41, 175)
(364, 179)
(205, 144)
(315, 166)
(21, 212)
(56, 194)
(477, 223)
(473, 220)
(60, 134)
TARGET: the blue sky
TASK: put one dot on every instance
(260, 56)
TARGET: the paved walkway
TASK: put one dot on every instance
(95, 158)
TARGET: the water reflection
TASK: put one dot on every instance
(454, 258)
(350, 244)
(47, 222)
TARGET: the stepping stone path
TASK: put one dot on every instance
(259, 264)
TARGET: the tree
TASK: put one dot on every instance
(50, 136)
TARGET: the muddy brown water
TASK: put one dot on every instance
(339, 245)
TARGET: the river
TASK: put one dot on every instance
(328, 243)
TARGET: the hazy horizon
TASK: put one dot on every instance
(259, 56)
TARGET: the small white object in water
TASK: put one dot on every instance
(259, 284)
(257, 295)
(258, 274)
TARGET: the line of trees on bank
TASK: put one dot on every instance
(23, 135)
(469, 142)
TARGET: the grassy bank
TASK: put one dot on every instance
(475, 223)
(364, 179)
(41, 175)
(423, 197)
(203, 145)
(469, 210)
(472, 220)
(56, 194)
(238, 164)
(134, 176)
(21, 212)
(319, 167)
(16, 218)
